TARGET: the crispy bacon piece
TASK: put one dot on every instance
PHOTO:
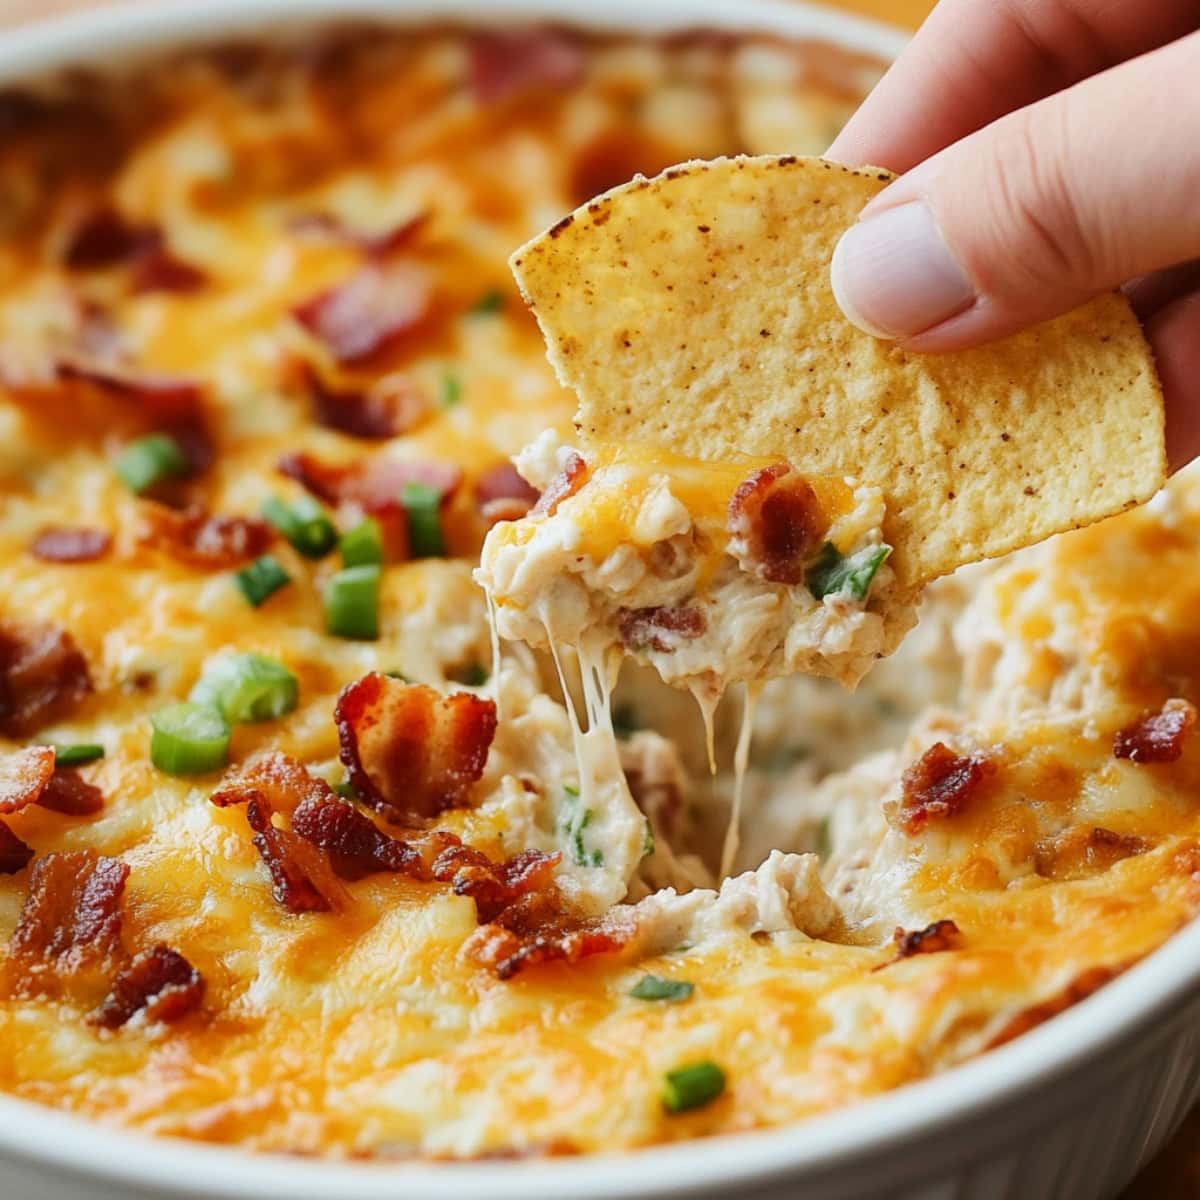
(374, 245)
(566, 483)
(204, 539)
(42, 674)
(661, 629)
(58, 543)
(1156, 738)
(302, 877)
(69, 793)
(167, 400)
(1080, 988)
(105, 238)
(939, 785)
(14, 853)
(502, 494)
(369, 311)
(70, 923)
(494, 886)
(158, 270)
(539, 928)
(505, 64)
(355, 844)
(374, 483)
(409, 751)
(159, 982)
(386, 408)
(24, 775)
(941, 935)
(776, 523)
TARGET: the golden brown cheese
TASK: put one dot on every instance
(371, 1030)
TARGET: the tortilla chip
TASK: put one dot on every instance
(694, 311)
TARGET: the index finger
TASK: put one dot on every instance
(975, 60)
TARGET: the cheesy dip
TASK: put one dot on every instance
(292, 856)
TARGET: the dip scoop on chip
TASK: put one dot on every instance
(758, 487)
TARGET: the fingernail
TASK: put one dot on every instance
(893, 275)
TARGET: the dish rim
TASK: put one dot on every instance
(1142, 998)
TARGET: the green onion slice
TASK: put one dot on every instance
(352, 603)
(653, 987)
(261, 579)
(833, 572)
(247, 687)
(77, 753)
(304, 523)
(492, 301)
(423, 505)
(362, 545)
(692, 1086)
(451, 389)
(151, 460)
(189, 739)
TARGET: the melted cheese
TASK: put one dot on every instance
(369, 1032)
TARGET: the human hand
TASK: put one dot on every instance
(1050, 150)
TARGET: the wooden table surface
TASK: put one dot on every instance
(1175, 1174)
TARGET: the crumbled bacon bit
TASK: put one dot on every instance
(355, 844)
(374, 483)
(776, 523)
(158, 270)
(494, 886)
(505, 64)
(58, 543)
(940, 936)
(939, 785)
(1158, 737)
(409, 751)
(539, 928)
(159, 982)
(661, 629)
(14, 853)
(24, 775)
(566, 483)
(374, 245)
(302, 877)
(42, 673)
(502, 494)
(69, 793)
(166, 399)
(386, 408)
(70, 923)
(104, 238)
(204, 539)
(369, 311)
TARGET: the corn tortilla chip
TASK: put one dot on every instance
(694, 311)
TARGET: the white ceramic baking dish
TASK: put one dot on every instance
(1068, 1111)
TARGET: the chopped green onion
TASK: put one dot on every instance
(648, 840)
(399, 675)
(472, 675)
(189, 739)
(423, 505)
(573, 827)
(831, 571)
(76, 754)
(654, 987)
(247, 687)
(352, 603)
(304, 523)
(151, 460)
(345, 789)
(692, 1086)
(492, 301)
(362, 545)
(625, 721)
(451, 389)
(261, 579)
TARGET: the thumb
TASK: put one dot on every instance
(1034, 214)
